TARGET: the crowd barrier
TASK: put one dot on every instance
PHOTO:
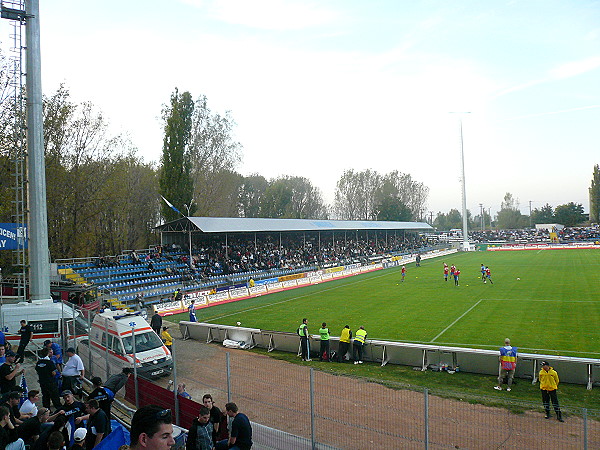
(575, 370)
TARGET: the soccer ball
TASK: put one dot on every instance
(518, 279)
(238, 323)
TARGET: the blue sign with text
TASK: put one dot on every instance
(12, 236)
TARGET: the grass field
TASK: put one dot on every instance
(554, 308)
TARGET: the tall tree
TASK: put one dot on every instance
(509, 216)
(594, 192)
(292, 198)
(356, 195)
(543, 215)
(214, 154)
(392, 208)
(251, 191)
(570, 214)
(175, 180)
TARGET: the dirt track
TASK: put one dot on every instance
(356, 414)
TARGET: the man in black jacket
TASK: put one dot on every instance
(156, 322)
(46, 371)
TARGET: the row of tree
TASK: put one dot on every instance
(510, 217)
(103, 197)
(198, 174)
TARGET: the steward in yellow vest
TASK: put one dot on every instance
(359, 342)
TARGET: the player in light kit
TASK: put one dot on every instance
(483, 273)
(446, 270)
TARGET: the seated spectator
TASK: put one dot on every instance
(9, 440)
(29, 406)
(78, 439)
(12, 403)
(56, 441)
(32, 427)
(59, 425)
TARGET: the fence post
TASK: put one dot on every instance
(89, 319)
(585, 429)
(106, 335)
(426, 409)
(175, 386)
(135, 374)
(228, 377)
(312, 410)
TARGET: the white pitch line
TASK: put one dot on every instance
(536, 300)
(463, 315)
(294, 298)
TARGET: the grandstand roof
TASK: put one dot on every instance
(245, 225)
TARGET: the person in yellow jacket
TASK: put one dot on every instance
(360, 338)
(549, 385)
(344, 346)
(167, 339)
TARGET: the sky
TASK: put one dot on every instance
(320, 87)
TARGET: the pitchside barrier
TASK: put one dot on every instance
(574, 370)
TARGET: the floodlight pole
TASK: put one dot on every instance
(463, 184)
(39, 261)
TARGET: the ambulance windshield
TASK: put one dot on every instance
(143, 342)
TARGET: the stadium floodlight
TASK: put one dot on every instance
(463, 184)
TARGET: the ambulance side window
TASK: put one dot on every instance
(104, 339)
(116, 346)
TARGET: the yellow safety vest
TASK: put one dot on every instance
(345, 337)
(361, 336)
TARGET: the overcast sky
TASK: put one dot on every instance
(318, 87)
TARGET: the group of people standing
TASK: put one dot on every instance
(325, 353)
(548, 378)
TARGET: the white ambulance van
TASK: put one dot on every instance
(111, 339)
(47, 319)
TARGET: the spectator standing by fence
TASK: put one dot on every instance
(241, 430)
(166, 338)
(73, 372)
(216, 418)
(507, 366)
(360, 339)
(192, 311)
(345, 337)
(200, 435)
(26, 333)
(324, 350)
(549, 385)
(156, 322)
(304, 345)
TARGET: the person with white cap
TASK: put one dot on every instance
(78, 439)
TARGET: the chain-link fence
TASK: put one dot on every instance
(292, 406)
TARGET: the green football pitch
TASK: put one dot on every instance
(545, 301)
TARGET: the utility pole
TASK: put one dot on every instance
(481, 214)
(530, 219)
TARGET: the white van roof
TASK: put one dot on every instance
(121, 321)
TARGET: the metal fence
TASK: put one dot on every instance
(297, 407)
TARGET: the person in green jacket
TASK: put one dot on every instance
(324, 353)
